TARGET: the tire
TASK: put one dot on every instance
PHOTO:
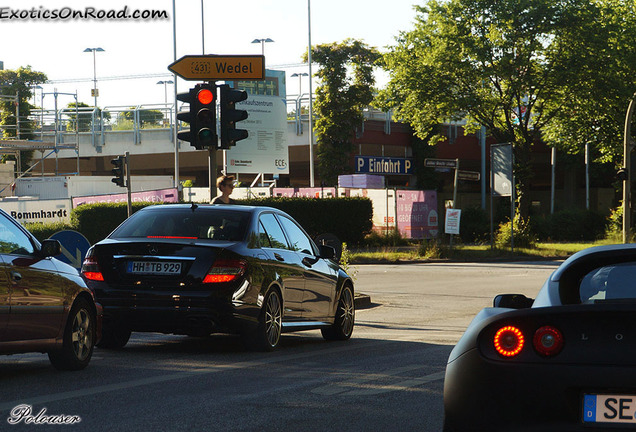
(114, 336)
(79, 338)
(344, 322)
(267, 334)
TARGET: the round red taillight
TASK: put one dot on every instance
(548, 341)
(509, 341)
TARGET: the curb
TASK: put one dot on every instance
(362, 301)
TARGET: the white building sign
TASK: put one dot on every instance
(265, 149)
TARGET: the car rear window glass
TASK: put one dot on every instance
(214, 224)
(612, 282)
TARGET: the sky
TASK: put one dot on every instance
(137, 52)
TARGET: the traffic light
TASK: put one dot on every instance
(230, 115)
(119, 170)
(201, 116)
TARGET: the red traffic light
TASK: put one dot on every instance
(205, 96)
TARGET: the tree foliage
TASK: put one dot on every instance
(345, 90)
(146, 117)
(517, 67)
(20, 82)
(597, 55)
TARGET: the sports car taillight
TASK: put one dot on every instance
(548, 341)
(90, 268)
(509, 341)
(225, 271)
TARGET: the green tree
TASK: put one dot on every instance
(597, 56)
(504, 64)
(345, 89)
(147, 118)
(83, 117)
(20, 82)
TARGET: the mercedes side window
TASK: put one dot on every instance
(13, 240)
(297, 237)
(263, 238)
(273, 231)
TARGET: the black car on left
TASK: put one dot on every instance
(201, 269)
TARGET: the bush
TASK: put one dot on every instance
(349, 219)
(571, 225)
(523, 235)
(96, 221)
(431, 249)
(42, 231)
(474, 225)
(378, 239)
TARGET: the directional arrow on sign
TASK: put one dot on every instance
(215, 67)
(74, 247)
(75, 261)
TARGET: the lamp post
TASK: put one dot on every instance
(300, 77)
(94, 50)
(311, 107)
(262, 42)
(165, 89)
(299, 124)
(628, 145)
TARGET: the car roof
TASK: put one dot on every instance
(208, 207)
(570, 273)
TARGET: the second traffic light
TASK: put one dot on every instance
(119, 170)
(230, 115)
(201, 116)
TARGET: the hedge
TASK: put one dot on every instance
(350, 219)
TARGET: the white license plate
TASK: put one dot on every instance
(154, 268)
(601, 408)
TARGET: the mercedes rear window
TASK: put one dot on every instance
(213, 224)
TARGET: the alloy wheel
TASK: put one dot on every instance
(273, 319)
(81, 334)
(347, 312)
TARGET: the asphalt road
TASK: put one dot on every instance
(388, 377)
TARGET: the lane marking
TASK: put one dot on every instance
(361, 387)
(72, 394)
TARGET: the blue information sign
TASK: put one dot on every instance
(383, 165)
(74, 247)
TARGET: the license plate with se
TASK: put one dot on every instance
(603, 408)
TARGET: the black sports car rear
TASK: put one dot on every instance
(564, 362)
(200, 269)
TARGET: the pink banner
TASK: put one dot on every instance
(417, 214)
(328, 192)
(161, 195)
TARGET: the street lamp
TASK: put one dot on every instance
(165, 89)
(94, 50)
(262, 42)
(300, 78)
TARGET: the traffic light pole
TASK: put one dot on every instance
(212, 172)
(627, 160)
(127, 154)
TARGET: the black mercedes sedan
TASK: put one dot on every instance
(562, 362)
(201, 269)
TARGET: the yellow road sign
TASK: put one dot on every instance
(217, 67)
